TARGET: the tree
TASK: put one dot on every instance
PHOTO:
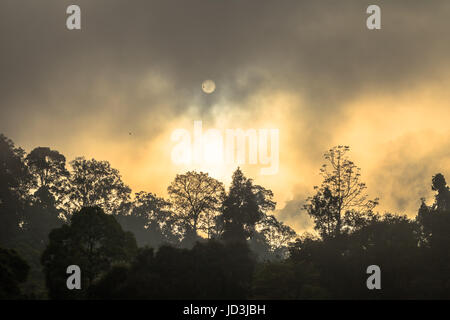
(50, 180)
(196, 199)
(340, 193)
(435, 219)
(14, 185)
(442, 198)
(278, 235)
(244, 206)
(49, 185)
(95, 183)
(150, 219)
(434, 222)
(94, 241)
(48, 168)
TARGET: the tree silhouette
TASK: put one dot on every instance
(434, 222)
(95, 183)
(435, 219)
(196, 199)
(442, 198)
(15, 181)
(244, 206)
(49, 186)
(341, 192)
(48, 168)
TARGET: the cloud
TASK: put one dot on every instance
(404, 175)
(293, 213)
(322, 50)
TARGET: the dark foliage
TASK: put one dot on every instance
(210, 270)
(13, 272)
(94, 241)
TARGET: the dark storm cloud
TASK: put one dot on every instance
(320, 49)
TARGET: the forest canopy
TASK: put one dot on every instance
(207, 240)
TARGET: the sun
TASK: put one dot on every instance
(208, 86)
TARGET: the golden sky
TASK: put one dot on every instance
(308, 68)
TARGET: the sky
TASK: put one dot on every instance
(116, 89)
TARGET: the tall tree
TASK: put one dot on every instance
(96, 183)
(196, 199)
(340, 193)
(442, 198)
(48, 168)
(434, 221)
(50, 183)
(244, 206)
(50, 176)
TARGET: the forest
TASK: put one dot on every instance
(206, 240)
